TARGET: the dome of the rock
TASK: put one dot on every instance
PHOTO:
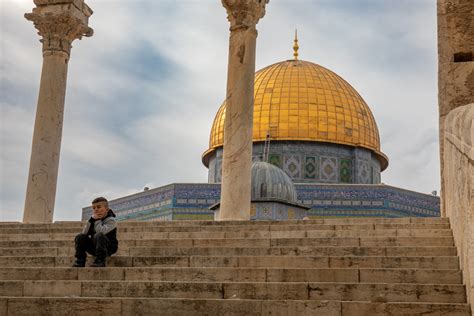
(310, 114)
(271, 183)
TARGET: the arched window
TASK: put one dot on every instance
(263, 190)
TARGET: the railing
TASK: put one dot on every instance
(459, 187)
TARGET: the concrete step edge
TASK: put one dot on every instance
(262, 227)
(174, 306)
(245, 290)
(235, 274)
(210, 222)
(243, 256)
(236, 282)
(262, 239)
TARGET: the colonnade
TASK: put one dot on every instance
(59, 23)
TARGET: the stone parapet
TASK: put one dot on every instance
(455, 63)
(455, 49)
(459, 186)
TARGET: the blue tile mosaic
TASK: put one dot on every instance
(191, 201)
(312, 162)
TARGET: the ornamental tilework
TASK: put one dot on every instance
(291, 214)
(276, 211)
(311, 167)
(191, 201)
(292, 166)
(328, 169)
(375, 175)
(253, 210)
(275, 159)
(345, 170)
(212, 171)
(218, 171)
(364, 172)
(264, 212)
(305, 174)
(362, 154)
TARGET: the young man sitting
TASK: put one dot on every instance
(99, 236)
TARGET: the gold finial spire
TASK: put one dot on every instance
(296, 46)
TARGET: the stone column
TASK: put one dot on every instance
(59, 23)
(243, 16)
(455, 65)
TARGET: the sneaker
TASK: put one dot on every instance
(98, 263)
(79, 263)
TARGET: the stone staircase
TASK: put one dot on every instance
(317, 267)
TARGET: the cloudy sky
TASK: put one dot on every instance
(143, 91)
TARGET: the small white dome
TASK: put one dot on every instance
(270, 182)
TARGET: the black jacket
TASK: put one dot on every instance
(106, 225)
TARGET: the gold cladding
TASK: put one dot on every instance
(302, 101)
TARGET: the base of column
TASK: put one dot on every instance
(231, 220)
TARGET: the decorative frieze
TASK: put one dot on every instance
(323, 199)
(308, 163)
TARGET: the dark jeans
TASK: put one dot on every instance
(99, 246)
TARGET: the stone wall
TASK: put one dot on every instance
(459, 186)
(455, 62)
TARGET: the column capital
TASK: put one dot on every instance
(244, 14)
(59, 23)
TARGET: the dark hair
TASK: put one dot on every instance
(100, 199)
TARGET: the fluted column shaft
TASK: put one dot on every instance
(58, 23)
(237, 155)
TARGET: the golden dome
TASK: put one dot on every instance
(302, 101)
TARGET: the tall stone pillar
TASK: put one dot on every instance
(59, 23)
(455, 65)
(243, 16)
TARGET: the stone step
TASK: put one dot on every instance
(219, 274)
(382, 220)
(328, 221)
(247, 261)
(342, 266)
(23, 306)
(441, 293)
(68, 250)
(362, 241)
(233, 228)
(292, 251)
(244, 234)
(280, 242)
(35, 252)
(253, 242)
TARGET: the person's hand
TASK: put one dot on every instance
(99, 214)
(95, 215)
